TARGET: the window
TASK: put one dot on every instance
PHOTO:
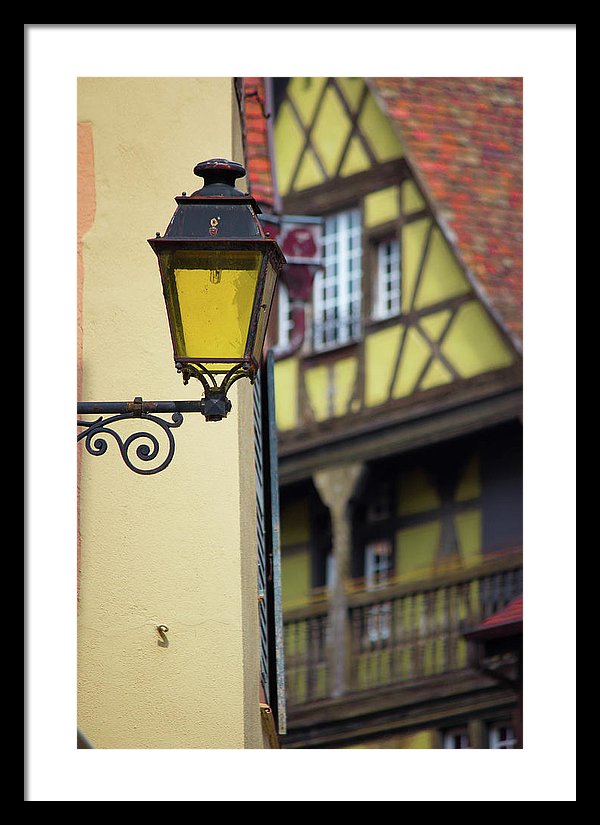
(378, 570)
(387, 280)
(502, 735)
(456, 739)
(337, 287)
(378, 563)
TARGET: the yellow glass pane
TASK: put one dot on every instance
(264, 310)
(212, 299)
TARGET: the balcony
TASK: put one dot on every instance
(408, 633)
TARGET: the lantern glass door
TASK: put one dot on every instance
(210, 297)
(264, 308)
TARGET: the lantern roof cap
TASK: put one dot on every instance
(219, 176)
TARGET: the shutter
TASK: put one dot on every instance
(261, 538)
(272, 666)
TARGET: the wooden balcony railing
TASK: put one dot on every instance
(399, 633)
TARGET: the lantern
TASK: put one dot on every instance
(219, 271)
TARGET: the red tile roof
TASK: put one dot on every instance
(463, 139)
(507, 620)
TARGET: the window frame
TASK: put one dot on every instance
(345, 194)
(378, 576)
(380, 283)
(373, 237)
(494, 740)
(346, 282)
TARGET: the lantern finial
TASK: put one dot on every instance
(219, 176)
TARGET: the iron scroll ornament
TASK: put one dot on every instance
(148, 445)
(148, 448)
(214, 406)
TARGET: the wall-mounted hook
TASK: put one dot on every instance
(162, 629)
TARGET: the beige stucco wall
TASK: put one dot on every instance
(177, 548)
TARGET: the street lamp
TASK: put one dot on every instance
(219, 271)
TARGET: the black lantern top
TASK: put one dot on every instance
(195, 217)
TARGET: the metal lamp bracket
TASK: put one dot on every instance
(141, 450)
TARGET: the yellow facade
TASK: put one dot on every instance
(396, 368)
(177, 548)
(314, 145)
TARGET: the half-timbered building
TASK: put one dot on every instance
(398, 389)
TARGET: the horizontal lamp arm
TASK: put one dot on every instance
(144, 446)
(137, 407)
